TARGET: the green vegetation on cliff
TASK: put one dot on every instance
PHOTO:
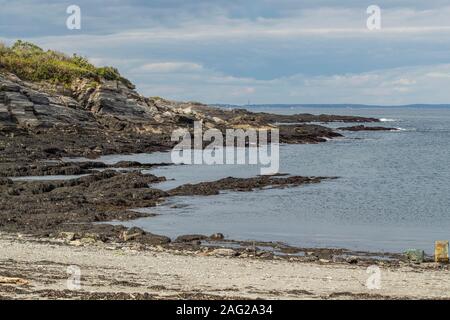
(30, 62)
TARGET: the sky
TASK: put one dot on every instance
(257, 51)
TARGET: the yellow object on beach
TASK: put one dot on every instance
(441, 251)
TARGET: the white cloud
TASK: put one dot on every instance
(314, 22)
(169, 67)
(404, 82)
(438, 75)
(395, 86)
(243, 92)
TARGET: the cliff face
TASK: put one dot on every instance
(86, 119)
(108, 105)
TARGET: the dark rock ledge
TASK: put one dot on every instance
(366, 128)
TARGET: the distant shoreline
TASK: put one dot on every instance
(337, 106)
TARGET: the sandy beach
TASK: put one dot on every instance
(33, 269)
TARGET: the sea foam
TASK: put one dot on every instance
(387, 120)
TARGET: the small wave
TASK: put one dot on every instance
(388, 120)
(403, 129)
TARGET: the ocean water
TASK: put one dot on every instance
(393, 191)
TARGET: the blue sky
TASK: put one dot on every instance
(265, 51)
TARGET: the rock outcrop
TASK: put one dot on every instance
(366, 128)
(43, 120)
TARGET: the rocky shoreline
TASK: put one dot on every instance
(366, 128)
(41, 123)
(77, 211)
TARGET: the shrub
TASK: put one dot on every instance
(30, 62)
